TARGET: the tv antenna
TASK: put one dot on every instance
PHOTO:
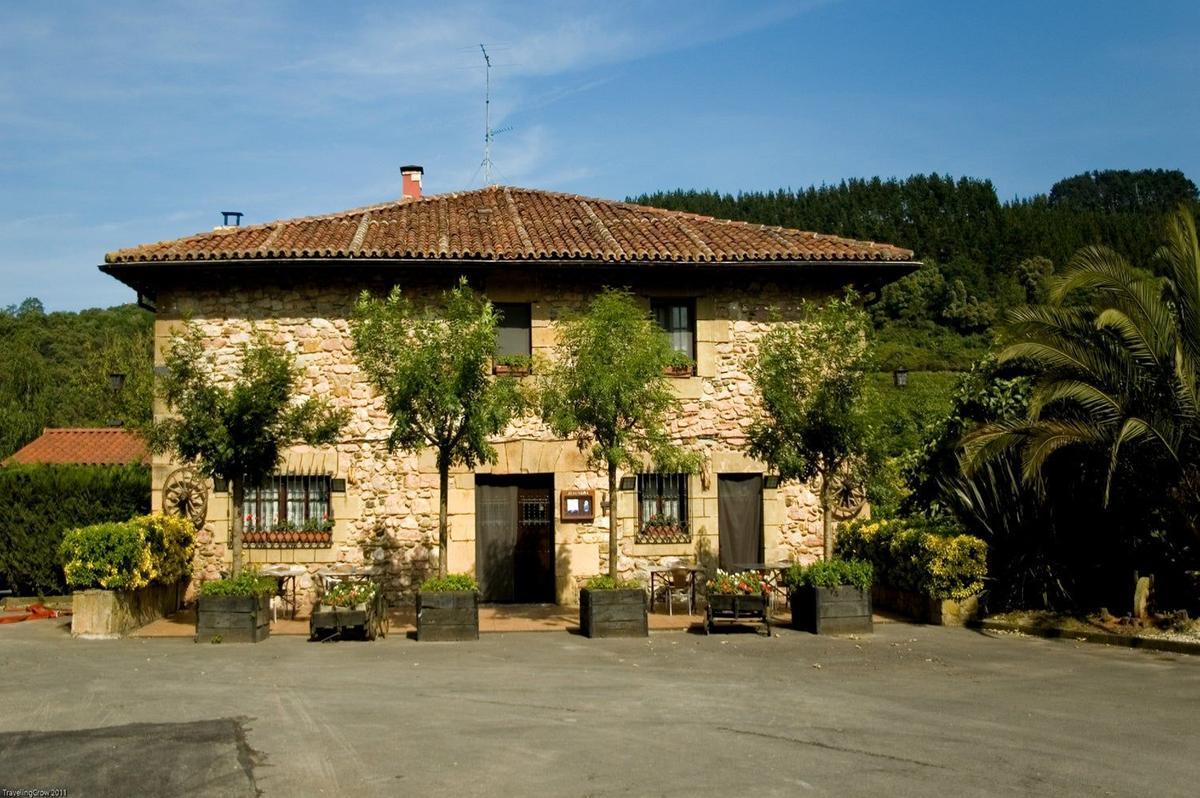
(488, 133)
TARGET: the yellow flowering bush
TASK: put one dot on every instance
(172, 542)
(113, 556)
(918, 555)
(128, 555)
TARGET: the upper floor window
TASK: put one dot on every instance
(513, 334)
(678, 318)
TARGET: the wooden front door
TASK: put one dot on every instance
(514, 538)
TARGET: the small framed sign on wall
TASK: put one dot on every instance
(577, 505)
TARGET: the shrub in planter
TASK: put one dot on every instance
(831, 596)
(448, 608)
(172, 543)
(110, 556)
(235, 610)
(611, 607)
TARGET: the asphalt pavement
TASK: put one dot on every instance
(908, 710)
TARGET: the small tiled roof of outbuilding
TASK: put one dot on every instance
(84, 446)
(512, 224)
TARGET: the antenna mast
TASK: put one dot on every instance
(487, 118)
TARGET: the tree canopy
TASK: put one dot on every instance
(235, 426)
(811, 376)
(606, 388)
(432, 365)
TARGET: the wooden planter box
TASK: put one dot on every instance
(613, 613)
(235, 619)
(737, 608)
(453, 615)
(831, 610)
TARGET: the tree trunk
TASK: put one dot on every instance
(443, 501)
(614, 534)
(827, 516)
(237, 488)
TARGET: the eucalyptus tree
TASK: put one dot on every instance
(234, 426)
(432, 365)
(606, 388)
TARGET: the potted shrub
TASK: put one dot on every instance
(736, 597)
(831, 596)
(680, 365)
(611, 607)
(235, 610)
(349, 609)
(448, 608)
(512, 365)
(126, 574)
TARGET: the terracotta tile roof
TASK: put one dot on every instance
(512, 224)
(84, 445)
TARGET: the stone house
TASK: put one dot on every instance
(533, 525)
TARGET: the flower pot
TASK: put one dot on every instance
(831, 610)
(613, 613)
(233, 619)
(449, 615)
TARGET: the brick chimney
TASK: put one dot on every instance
(411, 177)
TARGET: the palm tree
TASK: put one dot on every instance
(1115, 354)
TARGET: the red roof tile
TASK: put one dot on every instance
(513, 224)
(86, 446)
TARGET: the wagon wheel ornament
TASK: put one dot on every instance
(185, 493)
(849, 494)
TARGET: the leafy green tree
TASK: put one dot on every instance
(235, 426)
(606, 389)
(1115, 357)
(432, 365)
(811, 375)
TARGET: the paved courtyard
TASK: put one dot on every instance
(910, 710)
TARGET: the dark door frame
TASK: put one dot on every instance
(523, 556)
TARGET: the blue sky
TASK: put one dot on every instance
(122, 123)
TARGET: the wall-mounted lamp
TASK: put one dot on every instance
(900, 377)
(116, 382)
(628, 483)
(771, 481)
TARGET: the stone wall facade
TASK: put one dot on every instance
(387, 514)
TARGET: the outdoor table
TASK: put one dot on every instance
(659, 570)
(285, 576)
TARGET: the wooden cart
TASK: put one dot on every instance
(365, 621)
(737, 608)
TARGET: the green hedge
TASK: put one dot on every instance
(128, 555)
(917, 555)
(38, 503)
